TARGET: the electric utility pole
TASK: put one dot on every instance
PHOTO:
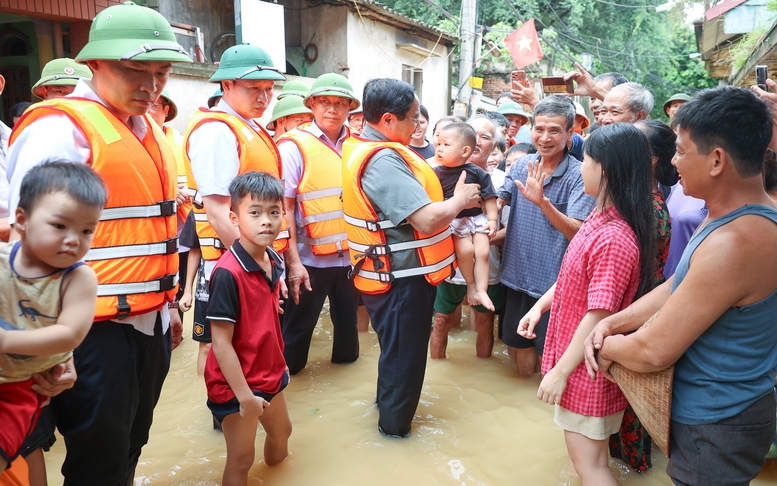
(467, 54)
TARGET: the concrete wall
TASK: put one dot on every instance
(212, 16)
(329, 24)
(373, 53)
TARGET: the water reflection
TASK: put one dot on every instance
(477, 424)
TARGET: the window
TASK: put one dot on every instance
(414, 76)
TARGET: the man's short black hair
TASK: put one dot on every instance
(386, 95)
(76, 180)
(734, 119)
(256, 185)
(18, 109)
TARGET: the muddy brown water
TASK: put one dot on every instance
(478, 423)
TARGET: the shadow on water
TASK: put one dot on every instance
(477, 424)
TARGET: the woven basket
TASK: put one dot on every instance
(650, 395)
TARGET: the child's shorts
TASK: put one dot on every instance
(201, 327)
(19, 409)
(595, 428)
(469, 225)
(221, 410)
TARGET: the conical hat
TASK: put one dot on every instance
(650, 395)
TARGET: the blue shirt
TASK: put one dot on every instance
(533, 247)
(734, 362)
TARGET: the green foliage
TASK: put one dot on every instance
(647, 46)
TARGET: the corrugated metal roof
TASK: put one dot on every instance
(389, 12)
(722, 8)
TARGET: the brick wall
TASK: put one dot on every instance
(57, 9)
(496, 84)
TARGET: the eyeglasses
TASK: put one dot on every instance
(416, 121)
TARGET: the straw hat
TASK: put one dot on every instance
(650, 395)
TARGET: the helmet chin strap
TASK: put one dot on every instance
(149, 48)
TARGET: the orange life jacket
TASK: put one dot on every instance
(370, 249)
(134, 250)
(175, 139)
(319, 194)
(256, 152)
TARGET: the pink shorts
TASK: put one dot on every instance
(19, 410)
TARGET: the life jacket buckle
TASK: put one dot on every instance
(167, 208)
(124, 310)
(172, 246)
(166, 283)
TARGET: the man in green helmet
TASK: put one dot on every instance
(289, 111)
(312, 170)
(673, 103)
(287, 114)
(59, 78)
(123, 361)
(222, 143)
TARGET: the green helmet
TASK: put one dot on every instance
(60, 72)
(676, 97)
(294, 88)
(291, 105)
(214, 98)
(513, 108)
(173, 111)
(131, 32)
(332, 84)
(245, 61)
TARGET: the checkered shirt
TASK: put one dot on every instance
(600, 271)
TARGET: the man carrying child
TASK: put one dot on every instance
(122, 363)
(49, 295)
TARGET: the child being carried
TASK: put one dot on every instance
(472, 229)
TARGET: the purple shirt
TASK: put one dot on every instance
(686, 214)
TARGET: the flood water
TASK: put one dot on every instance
(478, 423)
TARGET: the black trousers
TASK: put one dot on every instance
(402, 319)
(106, 416)
(299, 320)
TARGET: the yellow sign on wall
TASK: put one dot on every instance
(476, 83)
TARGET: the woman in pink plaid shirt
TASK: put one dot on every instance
(608, 265)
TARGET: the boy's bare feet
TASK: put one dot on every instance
(482, 298)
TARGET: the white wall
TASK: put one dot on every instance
(189, 93)
(373, 53)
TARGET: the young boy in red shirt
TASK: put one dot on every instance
(245, 371)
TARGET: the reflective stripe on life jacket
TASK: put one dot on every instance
(134, 250)
(371, 244)
(256, 152)
(320, 223)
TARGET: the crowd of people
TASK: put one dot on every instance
(573, 231)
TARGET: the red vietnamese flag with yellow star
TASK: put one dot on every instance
(524, 45)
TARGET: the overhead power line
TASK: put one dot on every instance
(626, 6)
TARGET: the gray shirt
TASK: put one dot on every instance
(533, 247)
(395, 194)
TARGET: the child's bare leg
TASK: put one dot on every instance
(481, 244)
(277, 426)
(362, 319)
(465, 255)
(590, 459)
(202, 356)
(240, 435)
(37, 465)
